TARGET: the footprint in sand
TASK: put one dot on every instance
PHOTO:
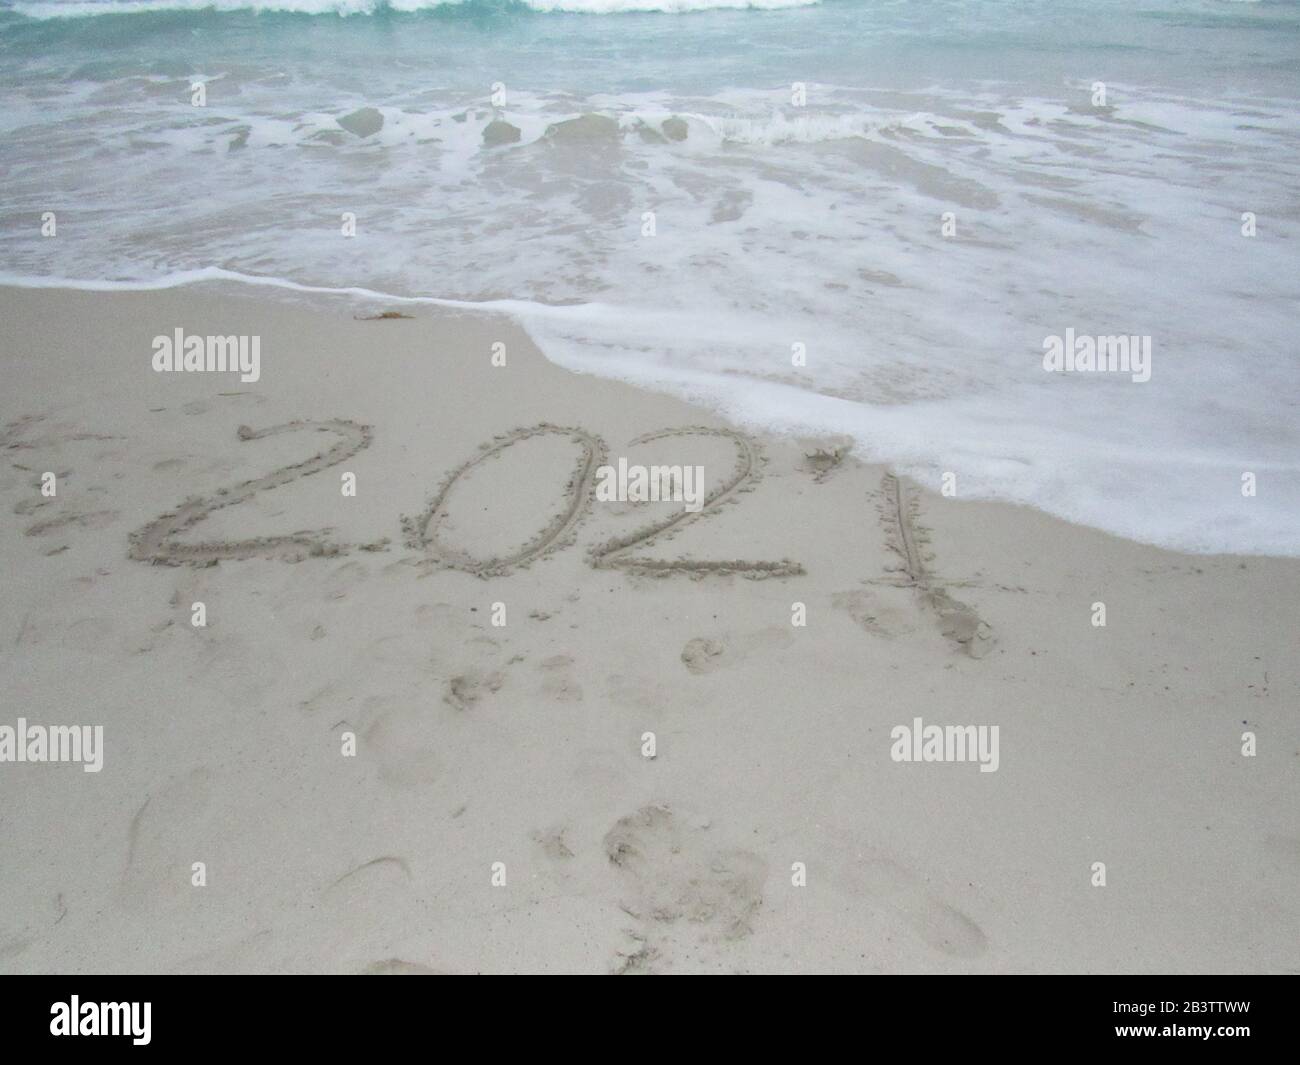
(163, 833)
(960, 623)
(28, 921)
(398, 967)
(559, 683)
(466, 690)
(942, 927)
(99, 635)
(642, 692)
(342, 579)
(190, 587)
(441, 615)
(875, 613)
(405, 747)
(706, 654)
(12, 946)
(552, 843)
(678, 883)
(641, 959)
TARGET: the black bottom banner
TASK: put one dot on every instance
(303, 1014)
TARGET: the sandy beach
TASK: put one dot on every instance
(414, 732)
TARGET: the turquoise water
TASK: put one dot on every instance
(780, 219)
(1203, 45)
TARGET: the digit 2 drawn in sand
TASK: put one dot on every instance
(155, 542)
(422, 533)
(612, 553)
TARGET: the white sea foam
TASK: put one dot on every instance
(774, 226)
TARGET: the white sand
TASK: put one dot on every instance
(522, 744)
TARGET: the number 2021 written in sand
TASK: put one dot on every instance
(157, 541)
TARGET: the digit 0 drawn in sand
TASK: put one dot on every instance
(422, 532)
(749, 460)
(959, 622)
(155, 542)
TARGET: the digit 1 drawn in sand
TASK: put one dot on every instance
(959, 622)
(422, 532)
(611, 554)
(155, 542)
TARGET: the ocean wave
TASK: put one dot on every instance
(67, 9)
(652, 206)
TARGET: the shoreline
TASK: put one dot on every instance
(214, 281)
(523, 743)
